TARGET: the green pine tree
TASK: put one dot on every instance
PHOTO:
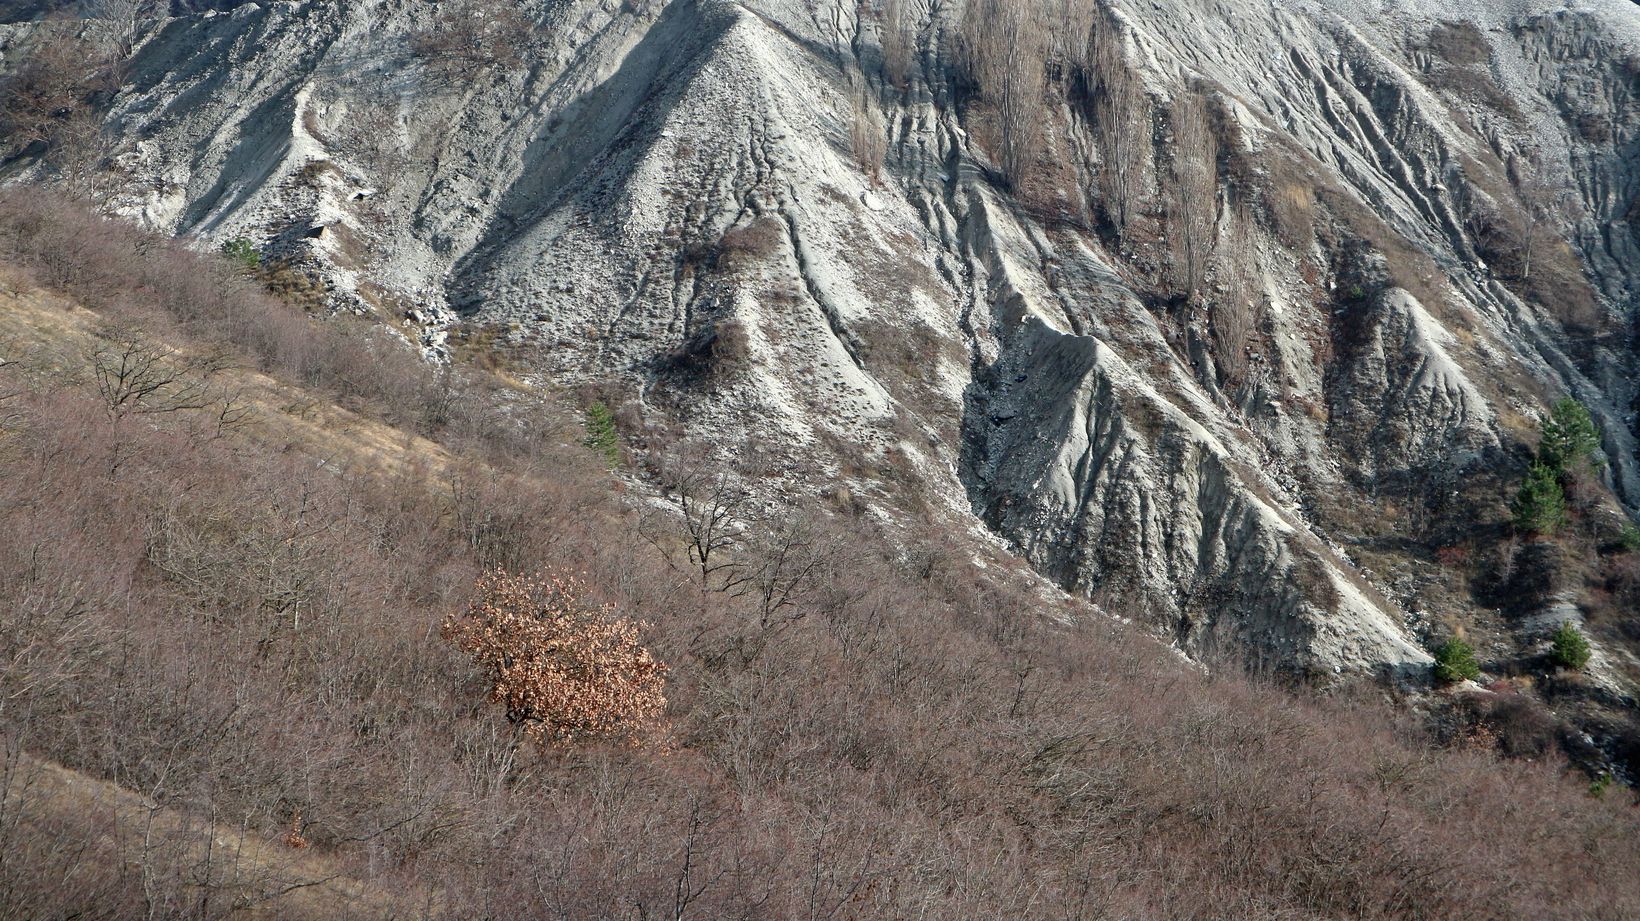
(1569, 437)
(243, 253)
(1540, 505)
(1571, 648)
(1455, 661)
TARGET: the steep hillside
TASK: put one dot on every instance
(1239, 318)
(229, 533)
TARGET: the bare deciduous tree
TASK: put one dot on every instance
(788, 557)
(119, 23)
(899, 40)
(374, 132)
(1122, 122)
(136, 376)
(716, 511)
(229, 411)
(1233, 314)
(1071, 37)
(1492, 233)
(1007, 47)
(707, 537)
(867, 135)
(1193, 194)
(1548, 207)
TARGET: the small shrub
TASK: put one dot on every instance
(1453, 556)
(1521, 726)
(719, 348)
(1459, 43)
(243, 253)
(750, 243)
(601, 434)
(1621, 575)
(566, 670)
(314, 172)
(295, 287)
(1629, 539)
(1455, 661)
(1571, 648)
(294, 839)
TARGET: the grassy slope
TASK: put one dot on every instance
(123, 850)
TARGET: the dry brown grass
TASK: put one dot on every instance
(1291, 205)
(121, 848)
(1462, 66)
(751, 243)
(52, 335)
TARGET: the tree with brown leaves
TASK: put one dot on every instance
(566, 670)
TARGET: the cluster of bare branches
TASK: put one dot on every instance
(732, 545)
(899, 40)
(117, 25)
(374, 133)
(1071, 38)
(1235, 312)
(48, 101)
(51, 102)
(470, 37)
(1192, 204)
(1006, 45)
(868, 136)
(135, 375)
(1122, 122)
(1511, 237)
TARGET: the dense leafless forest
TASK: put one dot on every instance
(225, 688)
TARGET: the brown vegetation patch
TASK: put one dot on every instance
(1462, 66)
(749, 244)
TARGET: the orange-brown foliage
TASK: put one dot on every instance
(566, 670)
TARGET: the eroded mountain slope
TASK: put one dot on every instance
(794, 228)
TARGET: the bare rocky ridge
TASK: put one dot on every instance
(665, 194)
